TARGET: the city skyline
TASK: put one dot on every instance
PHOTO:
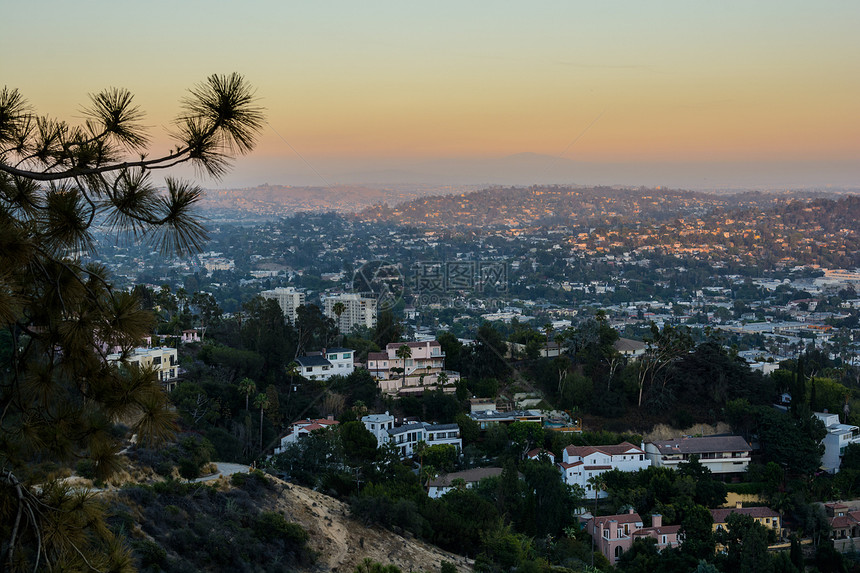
(685, 94)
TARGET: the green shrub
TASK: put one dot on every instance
(189, 469)
(86, 468)
(271, 525)
(164, 468)
(749, 488)
(150, 554)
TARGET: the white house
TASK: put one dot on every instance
(579, 463)
(161, 359)
(838, 437)
(407, 436)
(536, 453)
(629, 347)
(720, 454)
(302, 428)
(323, 365)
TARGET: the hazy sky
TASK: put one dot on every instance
(389, 89)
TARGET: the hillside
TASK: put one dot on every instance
(343, 542)
(228, 525)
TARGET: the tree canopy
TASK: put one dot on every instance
(60, 397)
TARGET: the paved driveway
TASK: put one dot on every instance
(226, 469)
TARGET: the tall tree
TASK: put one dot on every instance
(247, 387)
(339, 308)
(661, 349)
(404, 353)
(59, 395)
(262, 402)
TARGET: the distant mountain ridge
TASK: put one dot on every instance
(513, 207)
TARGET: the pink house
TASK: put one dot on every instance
(666, 535)
(614, 534)
(424, 367)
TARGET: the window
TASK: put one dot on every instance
(618, 551)
(663, 539)
(308, 369)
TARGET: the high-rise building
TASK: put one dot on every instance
(289, 299)
(357, 311)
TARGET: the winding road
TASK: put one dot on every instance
(225, 469)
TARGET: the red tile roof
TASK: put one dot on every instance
(663, 530)
(535, 453)
(842, 522)
(620, 518)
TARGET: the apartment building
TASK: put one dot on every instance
(358, 311)
(288, 298)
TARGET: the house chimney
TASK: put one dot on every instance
(656, 520)
(613, 528)
(630, 511)
(330, 417)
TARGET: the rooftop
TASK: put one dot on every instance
(469, 476)
(702, 445)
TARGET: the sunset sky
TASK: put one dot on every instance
(722, 93)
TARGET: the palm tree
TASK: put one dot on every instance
(247, 387)
(262, 402)
(292, 370)
(338, 308)
(404, 353)
(442, 378)
(598, 484)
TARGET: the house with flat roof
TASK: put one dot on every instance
(161, 359)
(326, 363)
(407, 436)
(489, 418)
(839, 436)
